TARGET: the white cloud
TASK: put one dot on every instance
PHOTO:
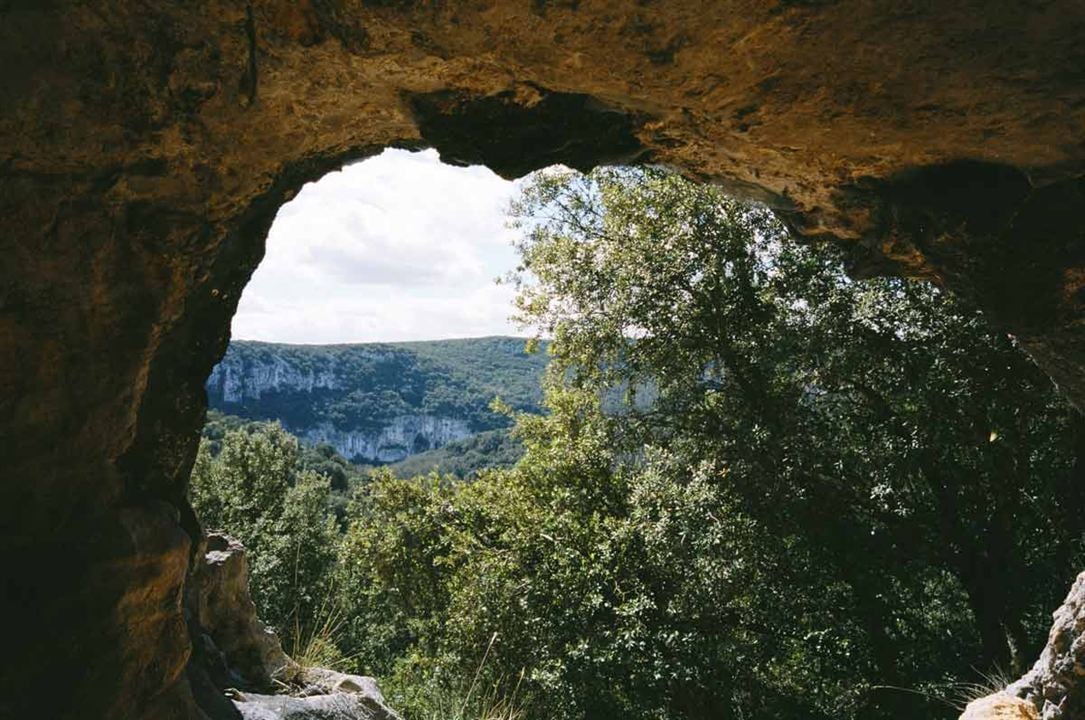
(397, 247)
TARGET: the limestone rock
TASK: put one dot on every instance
(1000, 706)
(252, 654)
(338, 706)
(393, 440)
(327, 695)
(1054, 684)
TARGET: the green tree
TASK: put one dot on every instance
(907, 452)
(394, 564)
(761, 489)
(255, 489)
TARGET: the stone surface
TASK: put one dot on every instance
(999, 706)
(1054, 684)
(352, 705)
(251, 654)
(240, 658)
(145, 147)
(128, 577)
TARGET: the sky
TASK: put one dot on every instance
(396, 247)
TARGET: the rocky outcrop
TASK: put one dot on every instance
(398, 438)
(240, 658)
(999, 706)
(326, 695)
(1054, 686)
(147, 146)
(240, 651)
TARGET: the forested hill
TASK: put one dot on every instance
(379, 402)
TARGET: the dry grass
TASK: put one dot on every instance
(427, 697)
(963, 693)
(314, 643)
(958, 695)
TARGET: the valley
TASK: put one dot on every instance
(381, 403)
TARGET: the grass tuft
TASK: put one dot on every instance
(427, 694)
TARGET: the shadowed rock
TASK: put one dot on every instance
(240, 651)
(238, 657)
(1054, 684)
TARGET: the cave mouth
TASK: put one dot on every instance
(353, 349)
(148, 149)
(360, 260)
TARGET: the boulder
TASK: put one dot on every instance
(1000, 706)
(326, 695)
(337, 706)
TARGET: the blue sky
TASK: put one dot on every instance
(397, 247)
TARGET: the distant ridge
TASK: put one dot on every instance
(379, 402)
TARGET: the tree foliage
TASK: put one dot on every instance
(255, 488)
(760, 489)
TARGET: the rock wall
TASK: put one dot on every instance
(402, 436)
(147, 145)
(238, 381)
(1053, 688)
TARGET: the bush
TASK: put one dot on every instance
(254, 489)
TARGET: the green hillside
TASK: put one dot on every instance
(379, 402)
(464, 458)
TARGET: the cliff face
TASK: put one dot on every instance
(378, 402)
(231, 382)
(232, 386)
(403, 436)
(146, 147)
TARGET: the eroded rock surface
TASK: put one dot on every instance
(324, 695)
(1000, 706)
(240, 651)
(337, 706)
(1053, 688)
(1054, 684)
(238, 657)
(146, 147)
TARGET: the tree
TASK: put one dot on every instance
(908, 451)
(760, 489)
(255, 489)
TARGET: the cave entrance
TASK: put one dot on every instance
(787, 341)
(376, 328)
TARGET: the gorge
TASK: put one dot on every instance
(379, 403)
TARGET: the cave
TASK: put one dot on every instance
(147, 148)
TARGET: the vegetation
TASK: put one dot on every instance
(812, 497)
(464, 459)
(256, 487)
